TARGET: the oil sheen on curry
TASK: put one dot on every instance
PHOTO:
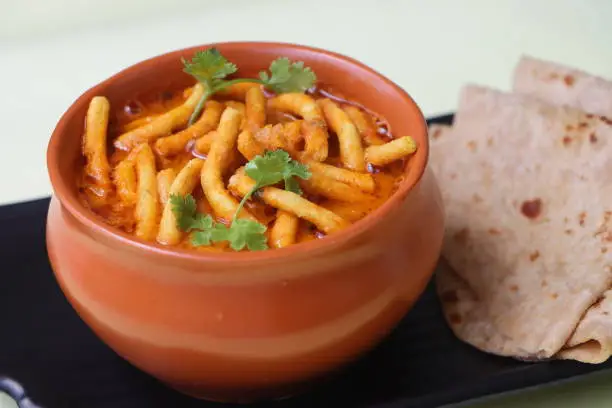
(233, 164)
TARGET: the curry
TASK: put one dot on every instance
(234, 164)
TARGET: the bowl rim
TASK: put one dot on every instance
(87, 218)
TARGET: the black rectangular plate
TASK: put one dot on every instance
(61, 364)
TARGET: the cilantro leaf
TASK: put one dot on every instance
(202, 222)
(295, 169)
(220, 232)
(240, 234)
(268, 169)
(275, 166)
(247, 233)
(209, 66)
(253, 234)
(298, 169)
(211, 69)
(292, 185)
(184, 208)
(287, 76)
(187, 219)
(201, 238)
(271, 168)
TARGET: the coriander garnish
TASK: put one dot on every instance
(269, 169)
(210, 68)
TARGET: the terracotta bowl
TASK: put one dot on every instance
(245, 326)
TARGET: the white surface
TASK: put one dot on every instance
(51, 51)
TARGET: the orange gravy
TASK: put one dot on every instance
(138, 112)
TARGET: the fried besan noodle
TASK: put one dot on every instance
(150, 182)
(528, 194)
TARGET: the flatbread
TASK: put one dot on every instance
(527, 188)
(561, 85)
(438, 131)
(592, 340)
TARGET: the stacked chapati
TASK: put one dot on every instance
(527, 183)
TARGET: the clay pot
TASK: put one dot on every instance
(250, 325)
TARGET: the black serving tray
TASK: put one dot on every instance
(61, 364)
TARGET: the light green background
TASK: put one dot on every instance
(6, 401)
(430, 47)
